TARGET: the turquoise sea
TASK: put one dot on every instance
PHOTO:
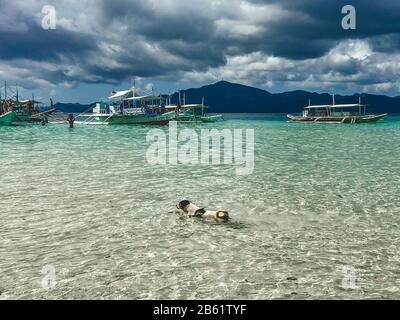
(84, 216)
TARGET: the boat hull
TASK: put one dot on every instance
(344, 119)
(22, 119)
(118, 119)
(7, 119)
(185, 118)
(192, 118)
(213, 118)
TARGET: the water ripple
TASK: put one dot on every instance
(85, 201)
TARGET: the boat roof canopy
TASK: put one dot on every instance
(192, 105)
(120, 94)
(347, 105)
(27, 101)
(318, 106)
(173, 106)
(146, 98)
(334, 106)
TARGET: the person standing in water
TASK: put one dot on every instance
(71, 120)
(45, 121)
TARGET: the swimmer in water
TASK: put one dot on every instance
(192, 210)
(71, 120)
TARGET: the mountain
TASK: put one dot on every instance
(72, 107)
(226, 97)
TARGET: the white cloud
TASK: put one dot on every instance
(350, 65)
(196, 41)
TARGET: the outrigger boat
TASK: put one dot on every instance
(336, 113)
(29, 111)
(7, 114)
(192, 112)
(127, 107)
(24, 111)
(6, 119)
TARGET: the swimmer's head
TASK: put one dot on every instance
(183, 204)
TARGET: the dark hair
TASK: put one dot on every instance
(183, 204)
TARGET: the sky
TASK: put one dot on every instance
(97, 46)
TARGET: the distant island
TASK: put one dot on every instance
(227, 97)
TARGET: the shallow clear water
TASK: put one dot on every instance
(322, 197)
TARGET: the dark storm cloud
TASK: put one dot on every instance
(373, 17)
(23, 37)
(386, 43)
(316, 25)
(200, 54)
(121, 39)
(309, 31)
(39, 44)
(143, 18)
(188, 36)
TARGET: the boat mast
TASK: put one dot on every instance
(5, 96)
(134, 92)
(152, 96)
(365, 107)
